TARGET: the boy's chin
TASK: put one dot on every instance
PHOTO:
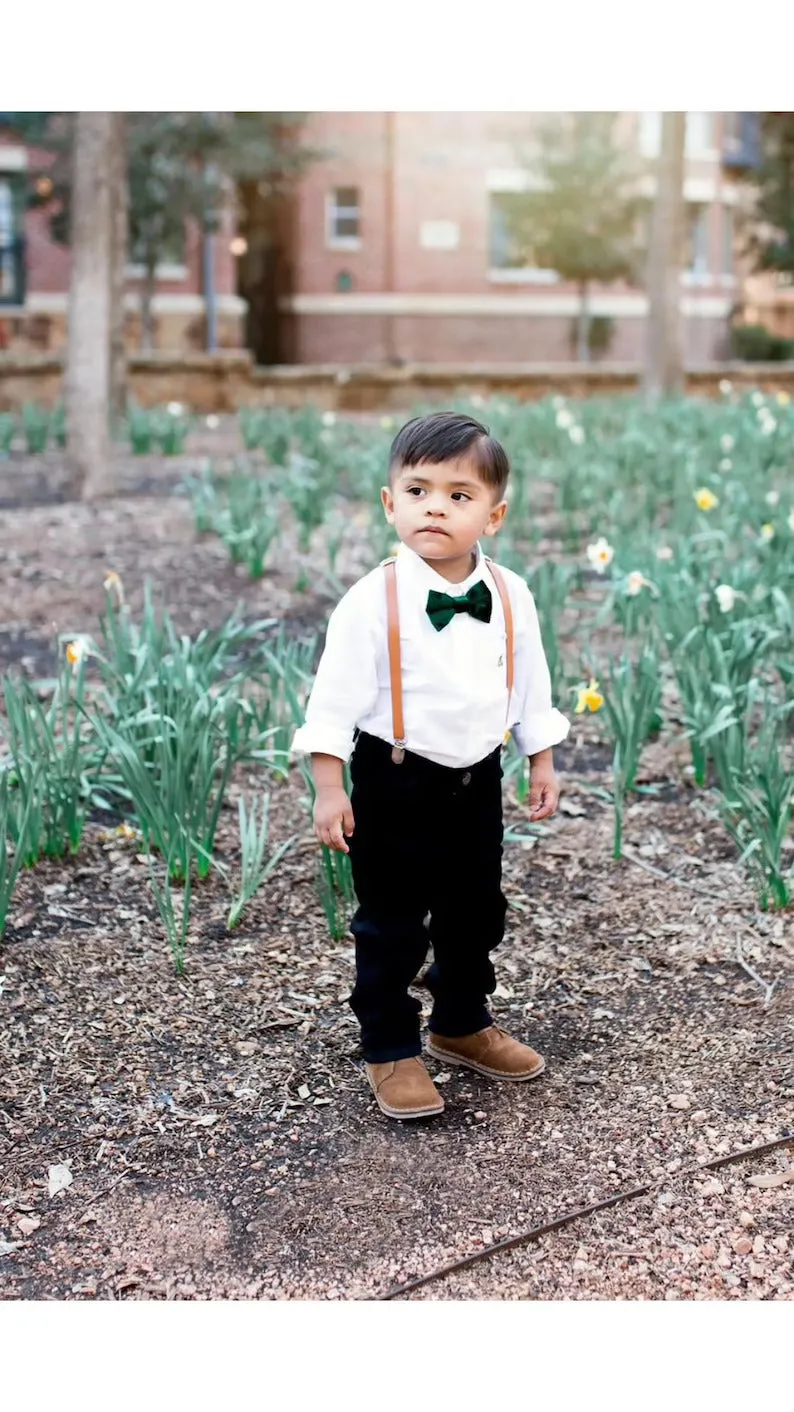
(436, 546)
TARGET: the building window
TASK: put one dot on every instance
(343, 218)
(650, 134)
(728, 236)
(699, 134)
(506, 261)
(12, 260)
(697, 234)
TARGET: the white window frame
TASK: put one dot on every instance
(705, 275)
(693, 149)
(333, 212)
(501, 181)
(649, 134)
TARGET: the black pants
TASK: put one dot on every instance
(428, 839)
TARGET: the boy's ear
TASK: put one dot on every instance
(496, 519)
(387, 501)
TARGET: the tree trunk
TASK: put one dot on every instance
(118, 358)
(148, 289)
(583, 325)
(88, 349)
(664, 359)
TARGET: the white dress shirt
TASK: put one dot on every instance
(454, 680)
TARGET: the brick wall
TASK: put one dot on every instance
(441, 169)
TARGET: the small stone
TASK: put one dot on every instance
(781, 1243)
(679, 1101)
(758, 1272)
(701, 1116)
(758, 1245)
(742, 1246)
(480, 1117)
(724, 1260)
(713, 1187)
(665, 1198)
(672, 1294)
(28, 1224)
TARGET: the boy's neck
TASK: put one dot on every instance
(454, 570)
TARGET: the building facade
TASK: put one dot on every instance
(402, 251)
(34, 275)
(397, 250)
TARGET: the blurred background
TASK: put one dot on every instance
(410, 237)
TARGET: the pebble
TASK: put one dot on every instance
(679, 1101)
(713, 1187)
(742, 1246)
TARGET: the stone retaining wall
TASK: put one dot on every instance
(225, 382)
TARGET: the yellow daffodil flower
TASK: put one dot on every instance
(705, 499)
(589, 698)
(767, 532)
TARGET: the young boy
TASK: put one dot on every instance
(425, 669)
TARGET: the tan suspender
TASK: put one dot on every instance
(395, 659)
(395, 663)
(501, 588)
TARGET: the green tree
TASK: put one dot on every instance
(265, 156)
(181, 168)
(769, 230)
(583, 219)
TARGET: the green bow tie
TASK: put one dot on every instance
(442, 607)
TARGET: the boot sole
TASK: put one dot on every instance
(447, 1058)
(406, 1114)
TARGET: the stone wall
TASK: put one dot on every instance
(225, 382)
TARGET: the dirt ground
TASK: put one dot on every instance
(217, 1129)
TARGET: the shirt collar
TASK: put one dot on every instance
(422, 571)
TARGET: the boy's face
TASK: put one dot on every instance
(441, 508)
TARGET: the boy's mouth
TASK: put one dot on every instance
(432, 529)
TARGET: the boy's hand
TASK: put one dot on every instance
(544, 790)
(333, 818)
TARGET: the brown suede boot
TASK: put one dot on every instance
(490, 1052)
(404, 1089)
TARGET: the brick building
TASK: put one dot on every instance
(34, 276)
(401, 248)
(396, 248)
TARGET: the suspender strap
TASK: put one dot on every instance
(501, 588)
(395, 661)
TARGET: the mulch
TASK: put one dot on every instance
(219, 1134)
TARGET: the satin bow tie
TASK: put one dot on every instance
(442, 607)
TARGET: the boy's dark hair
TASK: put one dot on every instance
(444, 436)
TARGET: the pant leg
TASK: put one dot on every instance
(468, 907)
(390, 872)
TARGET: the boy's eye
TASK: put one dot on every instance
(416, 490)
(460, 495)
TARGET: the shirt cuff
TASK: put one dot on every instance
(540, 731)
(322, 740)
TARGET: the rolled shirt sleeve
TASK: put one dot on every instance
(346, 685)
(539, 724)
